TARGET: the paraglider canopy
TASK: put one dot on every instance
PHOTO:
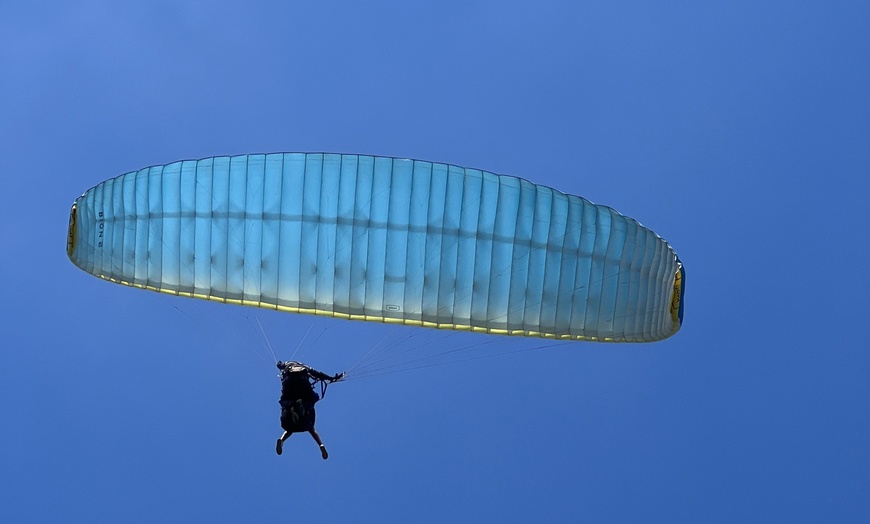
(383, 239)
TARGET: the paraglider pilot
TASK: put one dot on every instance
(298, 398)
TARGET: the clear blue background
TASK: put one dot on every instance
(739, 131)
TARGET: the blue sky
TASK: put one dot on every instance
(739, 131)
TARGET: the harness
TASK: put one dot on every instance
(300, 375)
